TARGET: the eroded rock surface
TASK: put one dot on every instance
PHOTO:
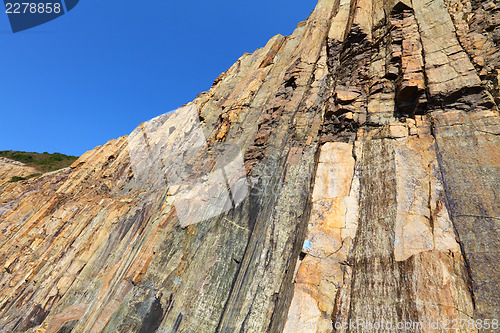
(348, 171)
(10, 168)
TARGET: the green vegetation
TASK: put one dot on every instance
(43, 162)
(17, 178)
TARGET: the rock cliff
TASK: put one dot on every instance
(346, 173)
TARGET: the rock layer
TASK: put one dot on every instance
(10, 168)
(368, 148)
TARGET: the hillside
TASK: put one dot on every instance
(14, 171)
(41, 162)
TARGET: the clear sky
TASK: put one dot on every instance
(97, 72)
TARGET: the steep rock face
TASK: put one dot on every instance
(346, 172)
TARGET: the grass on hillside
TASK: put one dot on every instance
(17, 178)
(44, 162)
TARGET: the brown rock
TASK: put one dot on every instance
(348, 171)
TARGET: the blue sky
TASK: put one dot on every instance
(97, 72)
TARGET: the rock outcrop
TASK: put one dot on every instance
(10, 168)
(347, 173)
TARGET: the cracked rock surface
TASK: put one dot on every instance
(349, 171)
